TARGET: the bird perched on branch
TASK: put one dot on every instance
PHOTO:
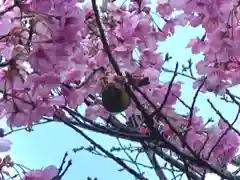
(115, 98)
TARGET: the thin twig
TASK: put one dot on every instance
(116, 159)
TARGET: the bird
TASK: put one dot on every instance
(115, 99)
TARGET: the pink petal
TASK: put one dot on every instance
(5, 145)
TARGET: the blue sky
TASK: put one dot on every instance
(47, 144)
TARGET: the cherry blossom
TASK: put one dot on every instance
(53, 58)
(42, 174)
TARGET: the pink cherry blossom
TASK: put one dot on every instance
(42, 174)
(5, 144)
(95, 111)
(73, 97)
(53, 59)
(156, 60)
(197, 45)
(164, 9)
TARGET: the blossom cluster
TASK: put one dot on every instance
(52, 56)
(47, 173)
